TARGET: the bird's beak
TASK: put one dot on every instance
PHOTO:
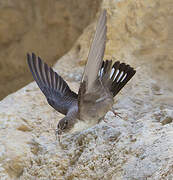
(58, 133)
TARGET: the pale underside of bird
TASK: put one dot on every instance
(101, 81)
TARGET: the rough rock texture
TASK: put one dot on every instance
(49, 28)
(138, 146)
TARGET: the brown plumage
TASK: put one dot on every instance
(100, 83)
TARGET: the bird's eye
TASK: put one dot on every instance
(64, 125)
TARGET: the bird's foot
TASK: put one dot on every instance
(117, 114)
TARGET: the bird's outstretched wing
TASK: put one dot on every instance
(56, 90)
(90, 87)
(96, 54)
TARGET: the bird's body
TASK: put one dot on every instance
(101, 81)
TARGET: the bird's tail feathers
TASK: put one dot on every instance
(115, 77)
(105, 71)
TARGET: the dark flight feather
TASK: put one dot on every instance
(56, 90)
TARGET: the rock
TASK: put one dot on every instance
(165, 116)
(136, 146)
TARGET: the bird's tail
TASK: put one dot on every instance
(115, 77)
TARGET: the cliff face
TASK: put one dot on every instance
(138, 146)
(47, 27)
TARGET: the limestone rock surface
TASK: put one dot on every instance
(137, 146)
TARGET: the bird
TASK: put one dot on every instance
(101, 81)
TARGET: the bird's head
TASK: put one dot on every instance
(64, 126)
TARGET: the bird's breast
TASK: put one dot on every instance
(82, 125)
